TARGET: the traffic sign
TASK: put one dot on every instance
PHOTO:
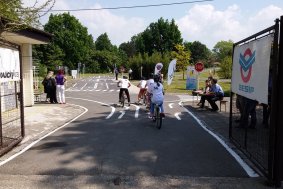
(199, 66)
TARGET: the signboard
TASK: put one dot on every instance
(250, 71)
(9, 65)
(199, 66)
(191, 83)
(74, 73)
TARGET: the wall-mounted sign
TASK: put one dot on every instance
(9, 65)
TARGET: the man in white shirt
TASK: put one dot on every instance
(124, 84)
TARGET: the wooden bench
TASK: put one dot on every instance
(222, 102)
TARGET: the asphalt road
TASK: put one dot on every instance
(110, 140)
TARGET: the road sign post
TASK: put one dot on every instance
(199, 68)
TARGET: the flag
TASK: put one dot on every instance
(171, 70)
(158, 68)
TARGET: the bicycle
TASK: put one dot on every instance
(122, 99)
(156, 116)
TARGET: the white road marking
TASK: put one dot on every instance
(170, 105)
(122, 114)
(104, 90)
(244, 165)
(177, 115)
(95, 86)
(111, 90)
(74, 84)
(106, 85)
(98, 90)
(137, 110)
(33, 143)
(112, 108)
(83, 86)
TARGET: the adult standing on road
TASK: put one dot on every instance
(60, 86)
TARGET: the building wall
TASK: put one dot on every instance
(27, 74)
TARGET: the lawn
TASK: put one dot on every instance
(178, 84)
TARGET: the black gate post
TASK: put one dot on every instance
(275, 138)
(278, 154)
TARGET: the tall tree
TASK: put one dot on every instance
(223, 49)
(161, 37)
(199, 52)
(14, 16)
(129, 48)
(182, 57)
(103, 43)
(71, 40)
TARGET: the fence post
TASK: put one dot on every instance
(274, 137)
(278, 154)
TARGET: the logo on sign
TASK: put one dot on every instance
(246, 61)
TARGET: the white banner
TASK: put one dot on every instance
(250, 71)
(9, 65)
(171, 70)
(158, 68)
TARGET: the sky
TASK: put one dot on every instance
(208, 22)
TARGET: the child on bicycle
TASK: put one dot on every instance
(124, 84)
(142, 86)
(156, 89)
(149, 82)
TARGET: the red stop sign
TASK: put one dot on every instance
(199, 66)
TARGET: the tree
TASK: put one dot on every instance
(71, 42)
(14, 16)
(226, 68)
(199, 52)
(161, 37)
(103, 43)
(129, 48)
(223, 49)
(182, 57)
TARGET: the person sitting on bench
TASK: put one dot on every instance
(215, 93)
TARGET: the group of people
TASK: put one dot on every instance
(212, 93)
(152, 89)
(55, 87)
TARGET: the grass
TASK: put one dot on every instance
(178, 84)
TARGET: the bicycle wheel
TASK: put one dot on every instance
(158, 117)
(122, 100)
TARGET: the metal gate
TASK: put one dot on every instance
(262, 143)
(11, 108)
